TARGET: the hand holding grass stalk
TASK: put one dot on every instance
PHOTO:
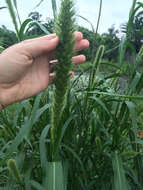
(25, 68)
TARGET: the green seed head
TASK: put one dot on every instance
(98, 144)
(12, 166)
(64, 28)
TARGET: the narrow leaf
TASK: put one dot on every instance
(119, 174)
(55, 176)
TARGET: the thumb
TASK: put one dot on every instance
(38, 47)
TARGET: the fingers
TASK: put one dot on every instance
(78, 36)
(38, 47)
(48, 43)
(76, 60)
(47, 37)
(81, 45)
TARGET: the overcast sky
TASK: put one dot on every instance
(113, 11)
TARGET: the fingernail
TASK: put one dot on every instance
(52, 36)
(54, 39)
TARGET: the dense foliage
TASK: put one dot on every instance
(7, 37)
(111, 42)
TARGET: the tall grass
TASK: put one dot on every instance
(99, 146)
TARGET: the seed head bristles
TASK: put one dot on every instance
(64, 28)
(12, 166)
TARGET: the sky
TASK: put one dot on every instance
(114, 12)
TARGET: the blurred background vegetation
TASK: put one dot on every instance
(111, 39)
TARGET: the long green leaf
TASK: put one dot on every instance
(13, 15)
(18, 111)
(133, 116)
(76, 157)
(41, 111)
(117, 95)
(134, 83)
(41, 1)
(26, 128)
(3, 8)
(99, 16)
(122, 50)
(36, 185)
(15, 4)
(101, 103)
(54, 7)
(43, 151)
(54, 176)
(120, 182)
(92, 27)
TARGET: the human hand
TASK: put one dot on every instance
(25, 68)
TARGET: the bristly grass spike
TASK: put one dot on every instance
(64, 28)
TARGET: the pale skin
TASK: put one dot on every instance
(26, 68)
